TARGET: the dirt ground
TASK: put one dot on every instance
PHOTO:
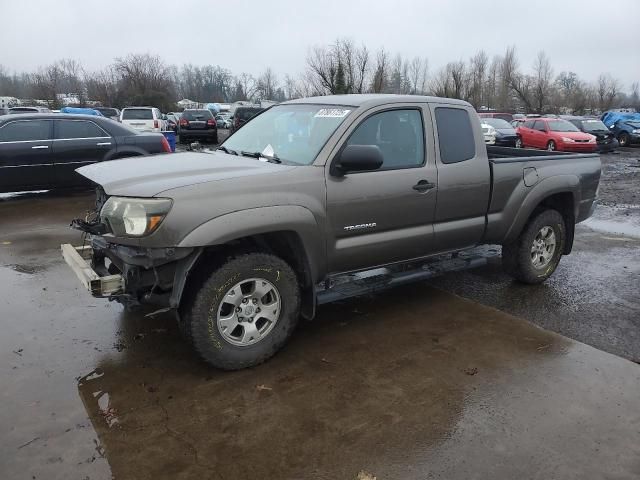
(418, 382)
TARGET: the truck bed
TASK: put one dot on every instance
(510, 154)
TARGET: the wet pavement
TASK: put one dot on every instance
(411, 383)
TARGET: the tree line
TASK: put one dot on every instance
(499, 82)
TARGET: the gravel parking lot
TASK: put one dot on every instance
(450, 379)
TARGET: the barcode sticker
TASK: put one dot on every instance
(332, 113)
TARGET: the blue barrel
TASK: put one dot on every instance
(170, 135)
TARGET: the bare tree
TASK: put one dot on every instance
(608, 89)
(418, 75)
(477, 78)
(542, 82)
(267, 85)
(379, 81)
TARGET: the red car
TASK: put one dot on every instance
(554, 134)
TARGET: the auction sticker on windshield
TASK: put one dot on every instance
(332, 113)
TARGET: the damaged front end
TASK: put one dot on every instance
(129, 274)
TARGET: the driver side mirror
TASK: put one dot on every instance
(357, 158)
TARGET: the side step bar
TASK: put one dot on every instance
(379, 279)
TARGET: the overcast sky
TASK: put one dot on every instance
(585, 36)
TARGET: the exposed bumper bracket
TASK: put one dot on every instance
(76, 258)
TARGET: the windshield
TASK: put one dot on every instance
(137, 114)
(561, 126)
(293, 133)
(497, 123)
(594, 126)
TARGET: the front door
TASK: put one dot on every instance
(386, 215)
(25, 156)
(77, 143)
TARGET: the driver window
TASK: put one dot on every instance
(398, 133)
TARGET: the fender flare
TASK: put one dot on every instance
(246, 223)
(543, 190)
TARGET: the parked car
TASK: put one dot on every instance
(488, 132)
(42, 151)
(172, 122)
(144, 119)
(605, 139)
(353, 184)
(112, 113)
(14, 110)
(197, 124)
(504, 116)
(504, 134)
(554, 134)
(625, 127)
(223, 120)
(242, 115)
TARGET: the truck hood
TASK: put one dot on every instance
(150, 176)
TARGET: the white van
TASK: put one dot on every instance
(146, 119)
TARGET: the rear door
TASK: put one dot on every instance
(26, 161)
(464, 177)
(77, 143)
(378, 217)
(539, 134)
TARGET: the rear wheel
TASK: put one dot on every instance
(244, 312)
(535, 254)
(519, 143)
(551, 146)
(624, 139)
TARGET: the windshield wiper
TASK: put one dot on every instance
(227, 150)
(271, 158)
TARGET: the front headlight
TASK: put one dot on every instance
(636, 131)
(134, 217)
(567, 140)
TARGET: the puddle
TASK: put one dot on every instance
(28, 269)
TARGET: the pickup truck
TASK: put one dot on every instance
(242, 242)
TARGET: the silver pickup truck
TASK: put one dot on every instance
(313, 200)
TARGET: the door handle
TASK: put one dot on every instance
(424, 186)
(39, 147)
(101, 144)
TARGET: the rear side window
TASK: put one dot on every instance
(539, 125)
(197, 115)
(247, 113)
(398, 133)
(66, 129)
(529, 123)
(137, 114)
(455, 135)
(25, 131)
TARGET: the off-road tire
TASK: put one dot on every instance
(198, 322)
(516, 256)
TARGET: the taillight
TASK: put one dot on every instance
(155, 124)
(211, 122)
(184, 122)
(165, 145)
(236, 121)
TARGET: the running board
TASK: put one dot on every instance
(372, 281)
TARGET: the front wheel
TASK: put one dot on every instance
(624, 139)
(244, 312)
(519, 143)
(535, 254)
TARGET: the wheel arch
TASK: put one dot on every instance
(290, 233)
(560, 193)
